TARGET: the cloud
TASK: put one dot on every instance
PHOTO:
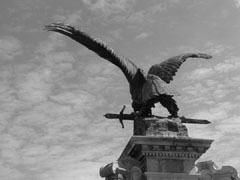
(109, 7)
(55, 41)
(77, 100)
(228, 65)
(73, 18)
(218, 84)
(28, 4)
(45, 114)
(33, 86)
(216, 49)
(142, 35)
(223, 129)
(52, 101)
(220, 111)
(201, 73)
(49, 105)
(145, 15)
(13, 28)
(137, 17)
(46, 136)
(7, 170)
(213, 83)
(10, 47)
(237, 3)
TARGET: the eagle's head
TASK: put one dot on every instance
(139, 79)
(140, 75)
(141, 72)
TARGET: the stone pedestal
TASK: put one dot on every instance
(162, 150)
(166, 157)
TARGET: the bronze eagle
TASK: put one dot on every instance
(145, 89)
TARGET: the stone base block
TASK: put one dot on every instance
(170, 176)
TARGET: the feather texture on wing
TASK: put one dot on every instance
(155, 87)
(128, 67)
(167, 69)
(146, 90)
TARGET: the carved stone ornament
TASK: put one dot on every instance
(123, 169)
(209, 171)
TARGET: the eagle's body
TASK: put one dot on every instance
(145, 89)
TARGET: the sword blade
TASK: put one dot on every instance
(131, 117)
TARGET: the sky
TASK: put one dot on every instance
(54, 92)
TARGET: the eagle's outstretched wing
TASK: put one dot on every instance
(167, 69)
(128, 68)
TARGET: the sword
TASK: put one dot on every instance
(131, 117)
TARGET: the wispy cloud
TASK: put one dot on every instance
(216, 49)
(229, 65)
(146, 14)
(73, 18)
(10, 47)
(53, 91)
(223, 130)
(43, 120)
(107, 7)
(237, 3)
(202, 73)
(142, 35)
(54, 41)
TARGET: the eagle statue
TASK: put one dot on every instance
(146, 89)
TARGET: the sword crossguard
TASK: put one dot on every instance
(121, 116)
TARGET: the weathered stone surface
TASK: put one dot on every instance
(209, 171)
(166, 158)
(162, 150)
(170, 176)
(165, 154)
(124, 169)
(154, 126)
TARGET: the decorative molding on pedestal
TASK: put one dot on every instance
(165, 154)
(170, 176)
(162, 150)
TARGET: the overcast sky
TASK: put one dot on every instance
(54, 92)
